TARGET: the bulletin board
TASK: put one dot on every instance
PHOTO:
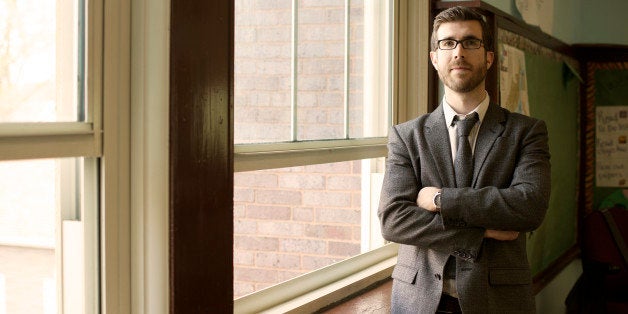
(607, 134)
(553, 87)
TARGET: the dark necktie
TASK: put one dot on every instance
(463, 164)
(463, 167)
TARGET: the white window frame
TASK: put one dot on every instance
(77, 232)
(132, 185)
(322, 287)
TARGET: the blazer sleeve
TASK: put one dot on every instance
(401, 219)
(513, 189)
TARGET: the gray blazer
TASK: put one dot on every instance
(510, 191)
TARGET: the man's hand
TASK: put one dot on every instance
(501, 235)
(425, 199)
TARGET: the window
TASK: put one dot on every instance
(316, 89)
(50, 141)
(312, 98)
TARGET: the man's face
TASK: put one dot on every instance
(461, 70)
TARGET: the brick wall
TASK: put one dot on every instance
(294, 220)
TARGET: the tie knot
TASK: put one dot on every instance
(465, 125)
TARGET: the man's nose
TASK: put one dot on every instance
(459, 51)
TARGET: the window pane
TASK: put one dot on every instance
(291, 221)
(39, 61)
(41, 233)
(339, 89)
(262, 71)
(321, 73)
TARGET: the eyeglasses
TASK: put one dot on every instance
(469, 43)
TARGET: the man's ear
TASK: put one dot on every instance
(434, 59)
(490, 57)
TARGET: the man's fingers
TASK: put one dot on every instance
(501, 235)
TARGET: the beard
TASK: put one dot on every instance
(463, 84)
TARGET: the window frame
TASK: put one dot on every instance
(81, 139)
(324, 286)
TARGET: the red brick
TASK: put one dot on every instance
(344, 248)
(329, 232)
(335, 168)
(278, 261)
(241, 289)
(278, 197)
(274, 34)
(272, 115)
(280, 228)
(303, 246)
(301, 181)
(322, 33)
(322, 16)
(321, 3)
(271, 132)
(256, 243)
(307, 100)
(357, 233)
(303, 214)
(239, 210)
(351, 183)
(243, 195)
(272, 5)
(345, 216)
(356, 200)
(283, 275)
(254, 179)
(311, 262)
(256, 275)
(245, 258)
(242, 226)
(324, 198)
(331, 99)
(268, 212)
(312, 116)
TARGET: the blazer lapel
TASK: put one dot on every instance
(491, 127)
(438, 141)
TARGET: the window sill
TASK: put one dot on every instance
(316, 299)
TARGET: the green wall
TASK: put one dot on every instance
(583, 21)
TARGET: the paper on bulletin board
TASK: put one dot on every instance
(538, 13)
(611, 151)
(513, 83)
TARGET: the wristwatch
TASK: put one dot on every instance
(436, 200)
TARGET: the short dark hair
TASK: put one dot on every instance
(460, 13)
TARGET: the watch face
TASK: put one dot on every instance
(437, 200)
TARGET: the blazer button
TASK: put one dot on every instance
(437, 276)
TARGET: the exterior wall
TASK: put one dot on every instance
(294, 220)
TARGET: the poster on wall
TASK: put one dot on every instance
(513, 82)
(611, 146)
(538, 13)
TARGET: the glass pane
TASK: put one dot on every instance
(40, 226)
(291, 221)
(321, 73)
(370, 69)
(40, 73)
(263, 70)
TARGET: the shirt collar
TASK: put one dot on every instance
(480, 109)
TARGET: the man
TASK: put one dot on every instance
(461, 226)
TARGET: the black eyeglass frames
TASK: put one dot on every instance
(469, 43)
